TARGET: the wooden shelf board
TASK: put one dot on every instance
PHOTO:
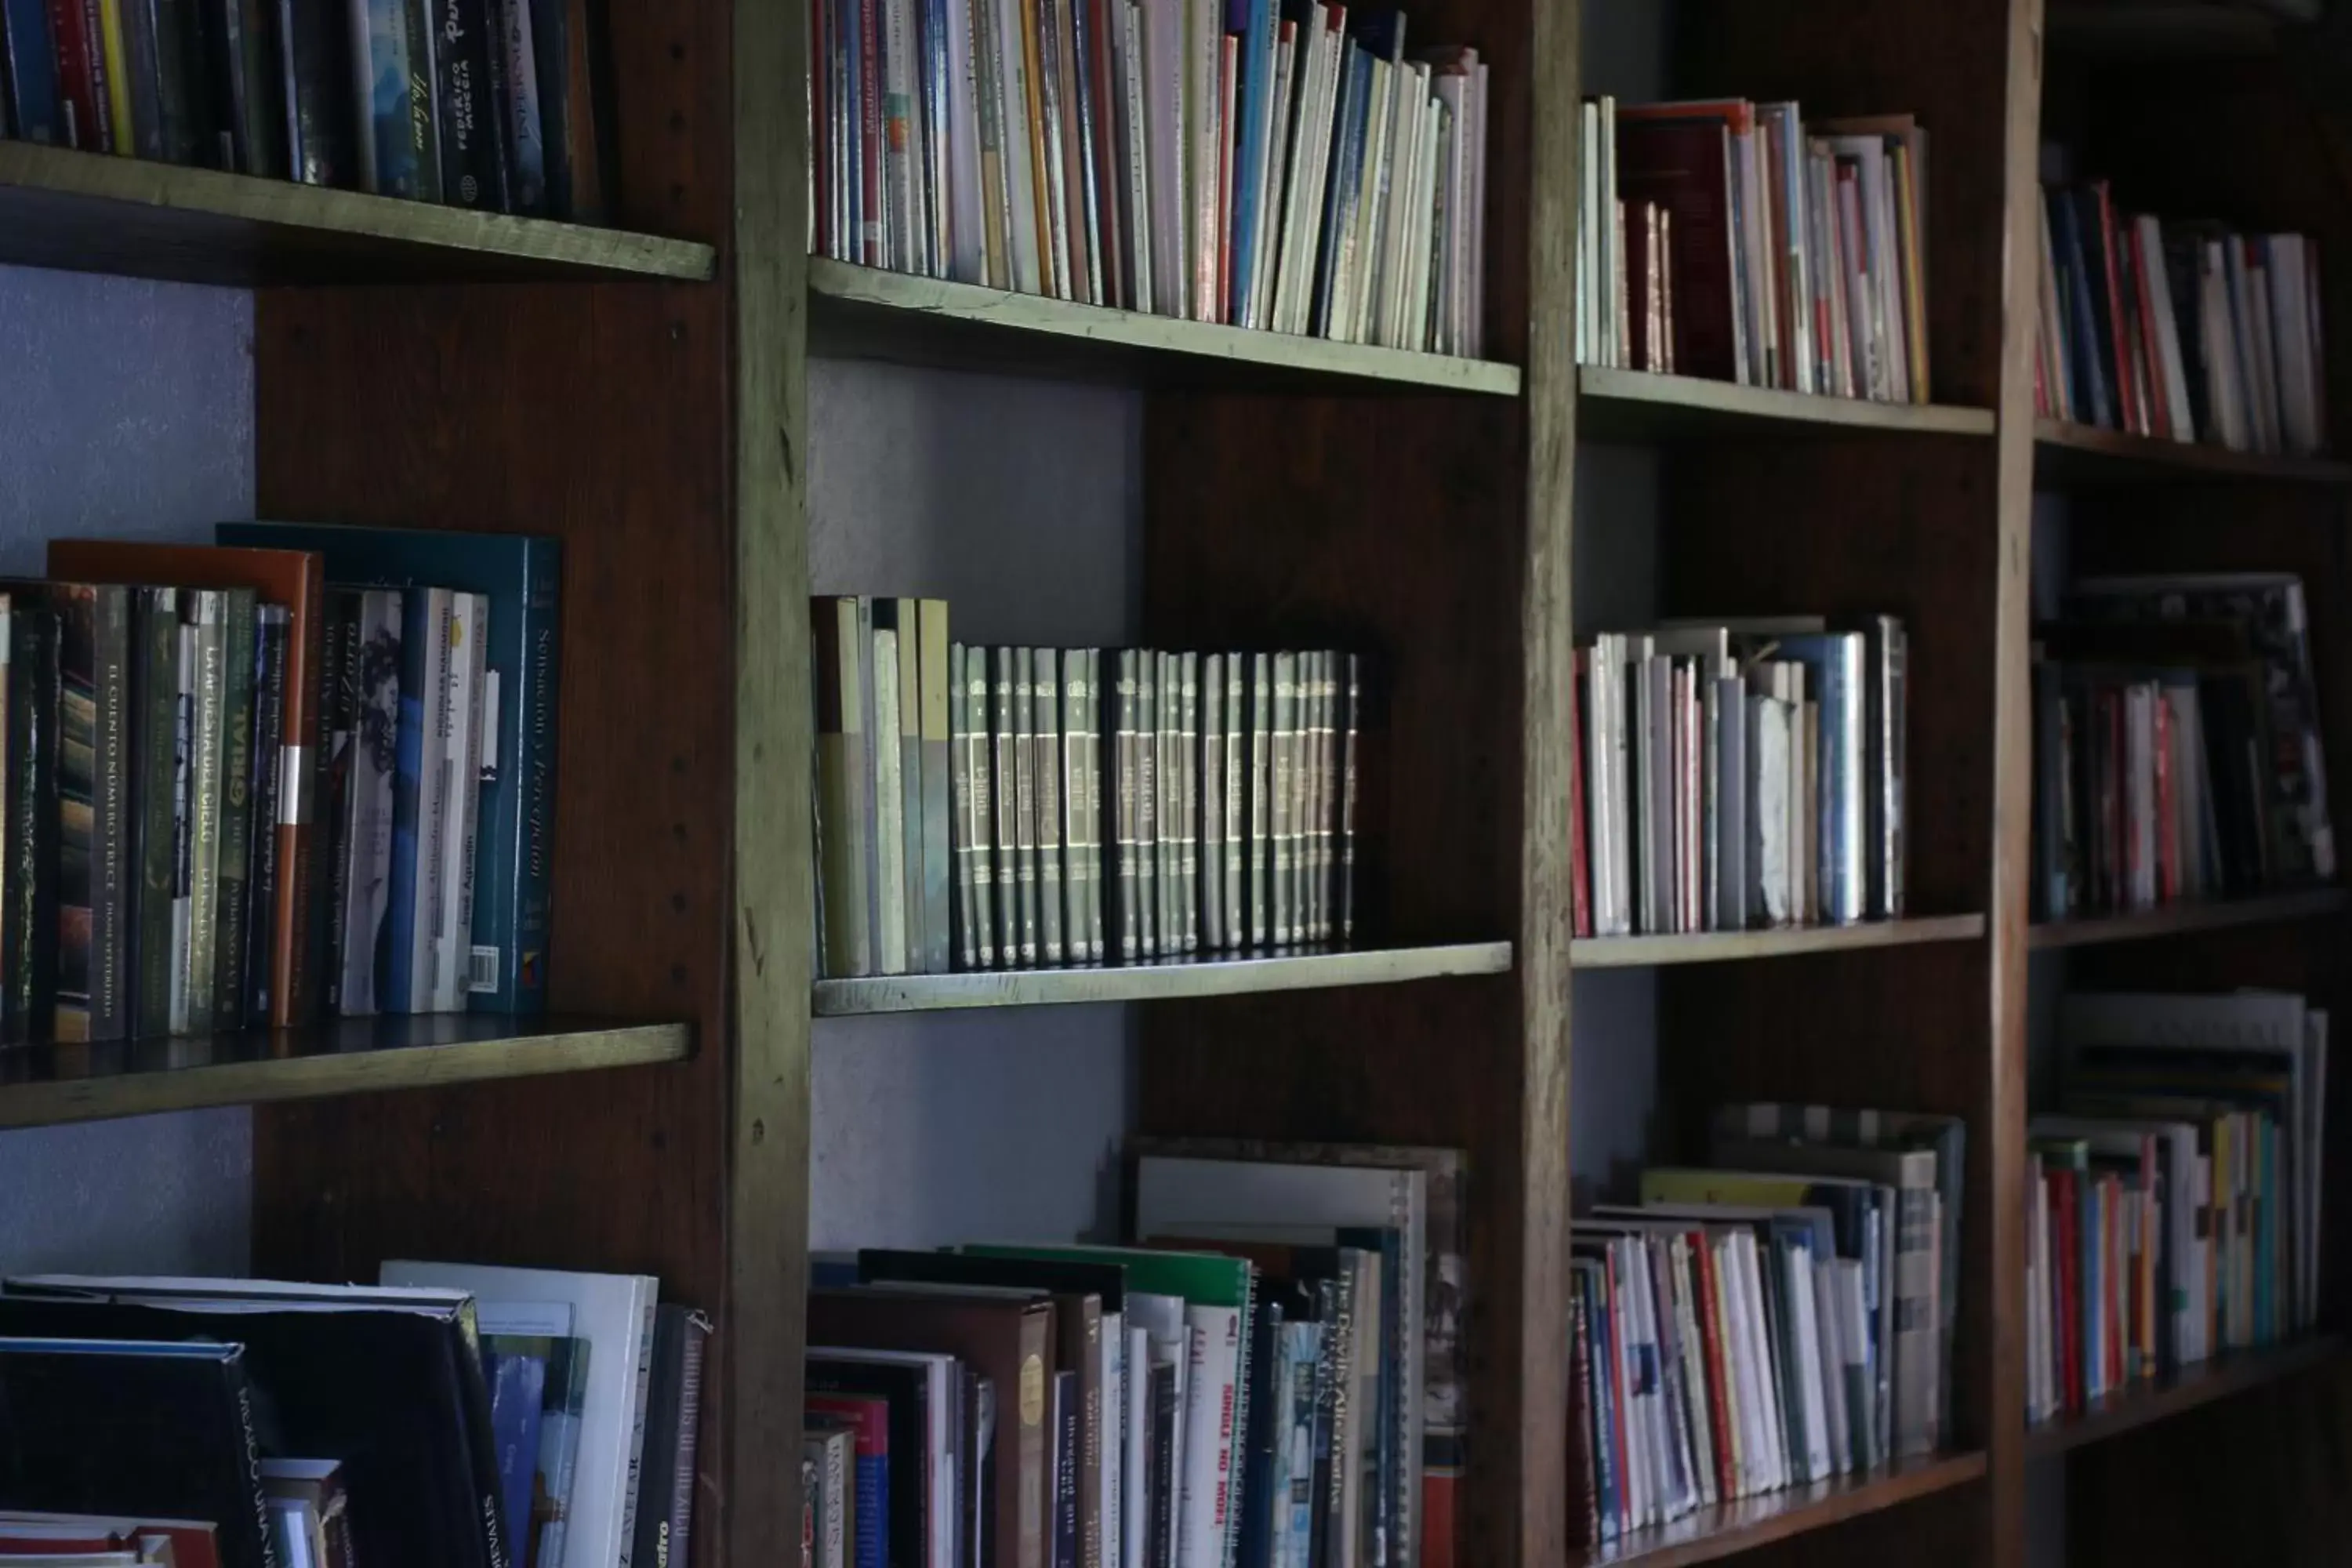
(2084, 455)
(1718, 1532)
(87, 212)
(1637, 406)
(1156, 982)
(2218, 914)
(864, 312)
(40, 1084)
(2186, 1390)
(1727, 946)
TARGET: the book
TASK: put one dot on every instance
(541, 1331)
(203, 1463)
(295, 579)
(614, 1313)
(273, 632)
(28, 957)
(672, 1410)
(520, 574)
(831, 1451)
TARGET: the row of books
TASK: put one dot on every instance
(236, 797)
(2176, 1202)
(2187, 332)
(1020, 807)
(1780, 1318)
(1733, 240)
(1272, 1375)
(2177, 744)
(1290, 166)
(1740, 774)
(493, 104)
(460, 1416)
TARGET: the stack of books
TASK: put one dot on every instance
(1024, 808)
(468, 1417)
(1292, 168)
(2176, 745)
(2176, 1204)
(237, 797)
(1780, 1319)
(1272, 1375)
(2186, 331)
(499, 105)
(1732, 240)
(1737, 774)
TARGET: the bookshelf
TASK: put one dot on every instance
(2197, 1385)
(648, 400)
(2277, 909)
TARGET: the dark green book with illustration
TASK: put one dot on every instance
(155, 814)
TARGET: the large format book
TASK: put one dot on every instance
(921, 1391)
(155, 804)
(522, 576)
(28, 957)
(1009, 1340)
(614, 1314)
(421, 802)
(155, 1429)
(542, 1330)
(297, 580)
(369, 675)
(388, 1379)
(93, 834)
(845, 810)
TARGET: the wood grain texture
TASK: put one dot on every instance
(1635, 405)
(1736, 946)
(1712, 1534)
(40, 1084)
(1158, 981)
(2174, 919)
(89, 212)
(862, 312)
(2165, 1398)
(2077, 455)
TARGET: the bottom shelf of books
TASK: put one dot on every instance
(1746, 1359)
(459, 1415)
(89, 1082)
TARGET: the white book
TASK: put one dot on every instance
(1288, 62)
(1836, 1429)
(1205, 1518)
(1812, 1384)
(902, 165)
(1738, 1394)
(614, 1313)
(1701, 1427)
(1755, 1332)
(1135, 1435)
(1168, 1343)
(1849, 1305)
(1017, 149)
(942, 1436)
(1128, 25)
(1626, 1349)
(2180, 418)
(453, 935)
(1165, 112)
(1204, 126)
(2290, 342)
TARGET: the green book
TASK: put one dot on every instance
(155, 812)
(235, 869)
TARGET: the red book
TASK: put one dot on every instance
(81, 76)
(1583, 1483)
(1678, 155)
(2134, 418)
(1719, 1378)
(1580, 856)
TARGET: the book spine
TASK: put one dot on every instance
(1070, 775)
(28, 71)
(1188, 803)
(314, 77)
(967, 914)
(338, 698)
(888, 796)
(461, 968)
(389, 165)
(1127, 804)
(422, 650)
(234, 872)
(986, 865)
(375, 696)
(934, 683)
(139, 107)
(156, 703)
(32, 717)
(1045, 767)
(1024, 803)
(1148, 889)
(107, 985)
(79, 76)
(525, 127)
(207, 790)
(469, 90)
(1282, 830)
(183, 813)
(427, 69)
(1003, 747)
(269, 779)
(1211, 765)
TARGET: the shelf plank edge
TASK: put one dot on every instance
(2205, 1384)
(1151, 983)
(1750, 1522)
(1731, 946)
(2176, 920)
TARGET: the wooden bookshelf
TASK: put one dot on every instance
(2200, 1385)
(2176, 920)
(864, 312)
(1732, 946)
(1712, 1534)
(2068, 454)
(88, 212)
(1636, 406)
(40, 1084)
(1165, 979)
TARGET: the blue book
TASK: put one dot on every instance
(1607, 1415)
(30, 58)
(1346, 174)
(520, 574)
(1295, 1504)
(1836, 678)
(422, 646)
(388, 161)
(1388, 1415)
(517, 1390)
(1256, 22)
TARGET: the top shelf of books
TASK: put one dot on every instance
(89, 212)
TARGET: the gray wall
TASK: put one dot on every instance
(126, 410)
(1016, 502)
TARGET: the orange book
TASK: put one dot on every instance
(298, 580)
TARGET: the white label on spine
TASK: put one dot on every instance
(295, 787)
